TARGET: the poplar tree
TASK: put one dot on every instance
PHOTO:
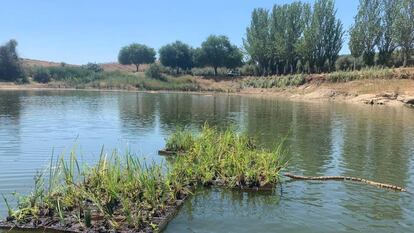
(387, 43)
(368, 19)
(355, 44)
(403, 28)
(257, 42)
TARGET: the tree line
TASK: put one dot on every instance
(382, 27)
(294, 37)
(215, 51)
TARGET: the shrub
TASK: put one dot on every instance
(275, 81)
(93, 67)
(68, 72)
(155, 71)
(226, 158)
(344, 63)
(249, 70)
(41, 75)
(208, 71)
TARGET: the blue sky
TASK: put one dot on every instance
(79, 31)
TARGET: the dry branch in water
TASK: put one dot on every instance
(356, 179)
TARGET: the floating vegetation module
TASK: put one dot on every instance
(122, 193)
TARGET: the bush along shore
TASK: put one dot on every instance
(123, 194)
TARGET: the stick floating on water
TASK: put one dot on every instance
(350, 178)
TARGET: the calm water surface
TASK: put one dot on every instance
(323, 139)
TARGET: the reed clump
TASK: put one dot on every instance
(119, 193)
(224, 158)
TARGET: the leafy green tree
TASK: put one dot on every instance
(355, 44)
(136, 54)
(386, 43)
(10, 67)
(306, 47)
(368, 22)
(257, 42)
(286, 30)
(217, 51)
(403, 27)
(176, 55)
(329, 32)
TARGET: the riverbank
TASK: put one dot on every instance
(392, 87)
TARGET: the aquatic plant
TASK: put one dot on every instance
(224, 158)
(119, 192)
(123, 193)
(180, 141)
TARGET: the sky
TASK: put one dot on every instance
(79, 31)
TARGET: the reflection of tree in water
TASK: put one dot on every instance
(306, 125)
(184, 110)
(375, 148)
(138, 112)
(10, 106)
(375, 145)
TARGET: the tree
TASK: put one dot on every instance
(329, 33)
(386, 43)
(176, 55)
(306, 47)
(355, 44)
(403, 27)
(136, 54)
(10, 67)
(217, 51)
(286, 30)
(257, 42)
(368, 21)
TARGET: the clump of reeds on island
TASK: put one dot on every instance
(124, 193)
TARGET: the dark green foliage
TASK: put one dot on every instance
(93, 67)
(154, 71)
(217, 51)
(209, 71)
(387, 43)
(136, 54)
(10, 67)
(355, 44)
(258, 42)
(41, 75)
(249, 70)
(367, 28)
(344, 63)
(177, 56)
(403, 28)
(294, 37)
(61, 73)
